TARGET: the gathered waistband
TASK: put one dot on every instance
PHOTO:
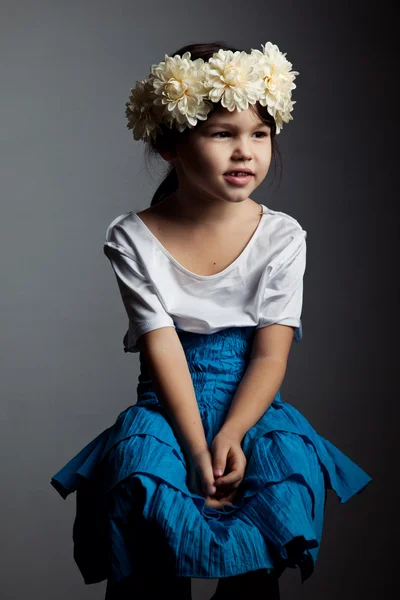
(216, 359)
(231, 336)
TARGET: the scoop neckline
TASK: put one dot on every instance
(233, 264)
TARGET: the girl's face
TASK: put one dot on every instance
(224, 142)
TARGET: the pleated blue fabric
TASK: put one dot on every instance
(135, 513)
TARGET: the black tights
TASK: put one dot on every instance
(254, 584)
(154, 587)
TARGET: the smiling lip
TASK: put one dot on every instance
(237, 180)
(244, 170)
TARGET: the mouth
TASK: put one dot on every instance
(239, 173)
(238, 177)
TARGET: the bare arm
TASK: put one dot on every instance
(174, 386)
(261, 380)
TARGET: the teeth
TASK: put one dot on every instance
(239, 174)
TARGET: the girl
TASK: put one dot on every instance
(210, 474)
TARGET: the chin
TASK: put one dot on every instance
(238, 196)
(230, 195)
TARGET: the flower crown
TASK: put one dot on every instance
(180, 91)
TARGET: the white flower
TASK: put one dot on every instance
(278, 82)
(281, 117)
(140, 111)
(232, 79)
(179, 89)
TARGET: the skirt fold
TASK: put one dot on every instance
(136, 514)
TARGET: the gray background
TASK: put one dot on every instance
(69, 166)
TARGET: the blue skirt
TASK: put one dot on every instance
(135, 513)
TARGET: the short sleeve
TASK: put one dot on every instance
(282, 297)
(142, 304)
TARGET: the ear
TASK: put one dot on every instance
(168, 155)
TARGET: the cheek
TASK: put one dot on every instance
(215, 156)
(206, 159)
(266, 157)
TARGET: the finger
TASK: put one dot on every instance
(236, 461)
(221, 499)
(207, 476)
(208, 484)
(226, 488)
(236, 468)
(219, 461)
(214, 503)
(230, 479)
(196, 484)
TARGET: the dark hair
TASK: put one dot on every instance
(168, 138)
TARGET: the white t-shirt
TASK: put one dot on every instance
(264, 285)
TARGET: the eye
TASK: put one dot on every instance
(263, 133)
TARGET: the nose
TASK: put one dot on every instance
(242, 149)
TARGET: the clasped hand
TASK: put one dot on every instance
(217, 474)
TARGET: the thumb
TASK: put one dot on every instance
(208, 480)
(219, 464)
